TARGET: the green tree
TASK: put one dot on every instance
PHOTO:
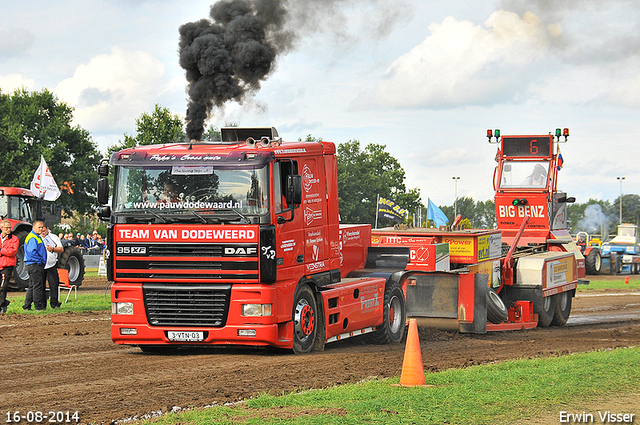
(363, 175)
(481, 215)
(37, 123)
(159, 127)
(630, 208)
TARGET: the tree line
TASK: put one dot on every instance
(37, 123)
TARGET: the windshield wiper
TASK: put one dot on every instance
(200, 216)
(243, 218)
(141, 216)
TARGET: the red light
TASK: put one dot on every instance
(565, 132)
(489, 133)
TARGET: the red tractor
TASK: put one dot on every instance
(15, 206)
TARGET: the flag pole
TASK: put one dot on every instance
(377, 203)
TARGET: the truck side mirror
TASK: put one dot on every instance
(104, 212)
(294, 190)
(103, 170)
(103, 191)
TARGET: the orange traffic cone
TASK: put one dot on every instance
(412, 369)
(626, 280)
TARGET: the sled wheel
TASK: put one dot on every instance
(496, 310)
(546, 314)
(563, 309)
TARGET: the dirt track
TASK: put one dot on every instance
(66, 362)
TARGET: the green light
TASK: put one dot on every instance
(497, 133)
(515, 202)
(558, 132)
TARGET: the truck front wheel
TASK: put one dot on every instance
(393, 324)
(305, 323)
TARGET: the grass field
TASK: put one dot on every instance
(505, 393)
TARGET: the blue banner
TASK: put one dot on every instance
(434, 213)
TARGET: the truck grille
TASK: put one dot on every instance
(186, 305)
(187, 262)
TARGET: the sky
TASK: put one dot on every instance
(425, 79)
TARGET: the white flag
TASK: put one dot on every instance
(43, 185)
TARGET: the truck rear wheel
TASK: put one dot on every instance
(394, 317)
(563, 308)
(496, 310)
(548, 311)
(305, 323)
(592, 262)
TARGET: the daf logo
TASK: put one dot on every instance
(239, 251)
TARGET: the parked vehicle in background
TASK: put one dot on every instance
(16, 206)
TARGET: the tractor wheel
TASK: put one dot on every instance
(496, 310)
(592, 262)
(548, 311)
(20, 274)
(393, 313)
(563, 308)
(72, 260)
(305, 320)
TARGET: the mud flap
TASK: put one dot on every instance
(448, 301)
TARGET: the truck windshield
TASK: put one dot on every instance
(524, 174)
(191, 189)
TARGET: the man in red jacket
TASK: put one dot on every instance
(8, 249)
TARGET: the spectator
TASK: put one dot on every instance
(86, 243)
(54, 247)
(35, 257)
(100, 243)
(8, 249)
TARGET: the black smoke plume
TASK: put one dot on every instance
(227, 56)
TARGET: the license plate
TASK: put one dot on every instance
(185, 336)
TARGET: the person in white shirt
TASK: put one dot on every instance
(538, 178)
(54, 247)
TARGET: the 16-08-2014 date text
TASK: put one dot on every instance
(50, 417)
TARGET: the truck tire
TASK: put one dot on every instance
(394, 317)
(593, 262)
(563, 308)
(305, 323)
(547, 312)
(72, 260)
(496, 310)
(20, 274)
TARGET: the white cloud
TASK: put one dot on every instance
(461, 63)
(112, 90)
(626, 94)
(11, 82)
(14, 41)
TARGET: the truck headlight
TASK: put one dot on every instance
(122, 308)
(256, 310)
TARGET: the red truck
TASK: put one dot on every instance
(238, 242)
